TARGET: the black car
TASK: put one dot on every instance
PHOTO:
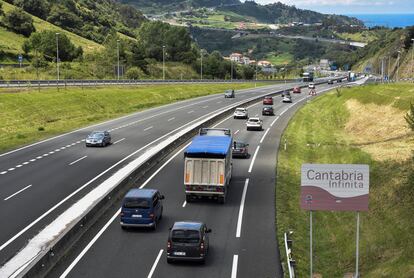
(240, 149)
(330, 82)
(339, 80)
(98, 138)
(229, 94)
(268, 111)
(188, 241)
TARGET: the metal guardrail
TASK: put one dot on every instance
(108, 82)
(291, 263)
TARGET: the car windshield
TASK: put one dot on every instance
(238, 145)
(267, 108)
(254, 120)
(185, 236)
(96, 135)
(240, 110)
(136, 203)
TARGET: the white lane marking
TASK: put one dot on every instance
(25, 163)
(237, 131)
(257, 115)
(154, 266)
(162, 167)
(3, 173)
(191, 111)
(148, 128)
(283, 112)
(254, 159)
(39, 157)
(32, 160)
(83, 140)
(274, 121)
(76, 161)
(170, 119)
(78, 142)
(264, 135)
(98, 235)
(21, 190)
(73, 144)
(52, 152)
(11, 169)
(68, 146)
(218, 102)
(18, 166)
(119, 141)
(205, 107)
(184, 204)
(234, 266)
(241, 209)
(46, 154)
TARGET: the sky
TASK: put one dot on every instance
(351, 6)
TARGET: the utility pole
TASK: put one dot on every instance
(412, 61)
(231, 73)
(398, 66)
(117, 48)
(201, 66)
(57, 56)
(163, 62)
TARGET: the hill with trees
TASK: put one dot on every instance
(158, 6)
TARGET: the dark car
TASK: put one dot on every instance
(229, 94)
(141, 208)
(297, 90)
(268, 111)
(240, 149)
(188, 241)
(330, 82)
(339, 80)
(98, 138)
(268, 101)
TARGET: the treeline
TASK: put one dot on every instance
(87, 18)
(157, 6)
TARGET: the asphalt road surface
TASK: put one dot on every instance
(40, 181)
(243, 239)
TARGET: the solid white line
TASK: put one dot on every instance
(148, 128)
(155, 264)
(120, 140)
(241, 209)
(162, 167)
(274, 121)
(21, 190)
(170, 119)
(264, 135)
(254, 158)
(284, 111)
(98, 235)
(184, 204)
(234, 267)
(76, 161)
(237, 131)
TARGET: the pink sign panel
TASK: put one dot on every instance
(334, 187)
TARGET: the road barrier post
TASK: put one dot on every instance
(357, 248)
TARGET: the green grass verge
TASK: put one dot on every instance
(386, 248)
(281, 59)
(28, 116)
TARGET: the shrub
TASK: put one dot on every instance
(20, 22)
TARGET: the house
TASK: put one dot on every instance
(236, 57)
(265, 64)
(325, 64)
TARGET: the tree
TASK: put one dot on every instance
(409, 117)
(38, 8)
(134, 73)
(1, 9)
(45, 43)
(20, 22)
(248, 72)
(62, 16)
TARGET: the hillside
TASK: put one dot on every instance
(87, 18)
(158, 6)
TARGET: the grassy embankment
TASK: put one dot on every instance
(364, 125)
(28, 116)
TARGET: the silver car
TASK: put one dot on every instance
(98, 138)
(240, 113)
(254, 124)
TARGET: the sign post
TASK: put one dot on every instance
(20, 58)
(335, 187)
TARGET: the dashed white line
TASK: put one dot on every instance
(21, 190)
(32, 160)
(191, 111)
(120, 140)
(46, 154)
(18, 166)
(264, 135)
(254, 159)
(98, 235)
(3, 173)
(241, 209)
(184, 204)
(170, 119)
(73, 144)
(274, 121)
(154, 266)
(25, 163)
(78, 142)
(11, 169)
(205, 107)
(68, 146)
(39, 157)
(237, 131)
(234, 266)
(76, 161)
(148, 128)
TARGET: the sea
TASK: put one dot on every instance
(386, 20)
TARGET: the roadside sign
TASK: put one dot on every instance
(335, 187)
(20, 58)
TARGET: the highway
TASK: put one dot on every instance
(243, 240)
(42, 180)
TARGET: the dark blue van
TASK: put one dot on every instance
(141, 208)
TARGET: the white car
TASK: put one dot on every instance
(240, 113)
(311, 86)
(254, 124)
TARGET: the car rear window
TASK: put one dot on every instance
(240, 109)
(137, 203)
(185, 236)
(253, 120)
(239, 145)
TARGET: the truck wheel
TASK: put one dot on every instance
(188, 198)
(222, 200)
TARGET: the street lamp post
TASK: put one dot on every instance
(163, 62)
(201, 66)
(57, 56)
(398, 66)
(117, 51)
